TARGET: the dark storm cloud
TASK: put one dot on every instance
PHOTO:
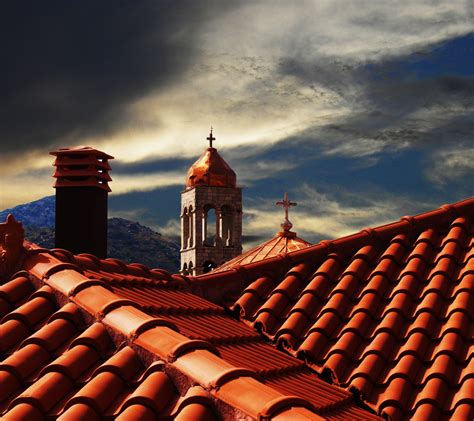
(152, 165)
(69, 69)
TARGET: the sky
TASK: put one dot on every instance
(361, 110)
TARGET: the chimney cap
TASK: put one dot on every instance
(81, 150)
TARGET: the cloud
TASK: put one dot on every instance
(172, 228)
(250, 171)
(18, 189)
(157, 74)
(145, 81)
(145, 182)
(451, 165)
(70, 71)
(361, 30)
(326, 215)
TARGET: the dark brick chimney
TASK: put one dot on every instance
(81, 199)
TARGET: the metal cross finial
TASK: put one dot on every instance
(210, 138)
(286, 225)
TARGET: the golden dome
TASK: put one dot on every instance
(211, 170)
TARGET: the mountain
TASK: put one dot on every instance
(39, 213)
(132, 242)
(127, 240)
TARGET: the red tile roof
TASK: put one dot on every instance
(87, 338)
(283, 242)
(168, 298)
(386, 313)
(55, 362)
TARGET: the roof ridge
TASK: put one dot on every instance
(157, 276)
(196, 359)
(383, 232)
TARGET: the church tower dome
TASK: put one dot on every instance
(211, 170)
(211, 214)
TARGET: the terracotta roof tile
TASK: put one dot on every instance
(79, 337)
(56, 363)
(385, 313)
(283, 242)
(218, 352)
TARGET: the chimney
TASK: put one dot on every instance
(81, 199)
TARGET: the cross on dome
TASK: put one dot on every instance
(287, 204)
(210, 138)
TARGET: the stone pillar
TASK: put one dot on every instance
(198, 227)
(218, 240)
(192, 214)
(185, 229)
(182, 232)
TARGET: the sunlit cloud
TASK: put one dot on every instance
(451, 164)
(328, 215)
(172, 228)
(25, 187)
(145, 182)
(250, 172)
(262, 73)
(241, 91)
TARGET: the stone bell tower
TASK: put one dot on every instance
(211, 214)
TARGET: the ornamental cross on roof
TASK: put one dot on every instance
(287, 204)
(210, 138)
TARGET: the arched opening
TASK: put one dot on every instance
(185, 269)
(185, 229)
(190, 269)
(191, 225)
(227, 227)
(208, 266)
(209, 226)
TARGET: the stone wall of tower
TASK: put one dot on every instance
(195, 253)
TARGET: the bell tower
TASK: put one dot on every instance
(211, 214)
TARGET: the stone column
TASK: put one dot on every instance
(198, 227)
(183, 239)
(192, 222)
(218, 239)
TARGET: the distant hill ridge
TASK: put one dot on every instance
(39, 213)
(127, 240)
